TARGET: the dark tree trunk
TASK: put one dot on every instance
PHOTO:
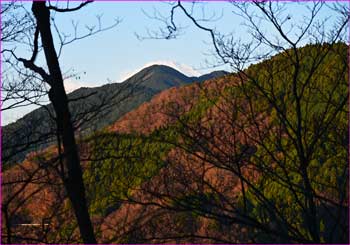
(74, 181)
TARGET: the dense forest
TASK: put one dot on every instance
(258, 155)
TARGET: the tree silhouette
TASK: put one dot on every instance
(277, 132)
(38, 30)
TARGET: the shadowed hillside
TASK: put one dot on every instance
(211, 162)
(92, 109)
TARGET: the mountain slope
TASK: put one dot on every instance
(91, 108)
(187, 165)
(222, 129)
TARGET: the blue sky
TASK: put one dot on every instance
(115, 54)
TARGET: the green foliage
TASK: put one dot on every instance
(301, 113)
(314, 139)
(118, 164)
(204, 103)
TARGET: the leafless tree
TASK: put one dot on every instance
(256, 156)
(35, 82)
(278, 135)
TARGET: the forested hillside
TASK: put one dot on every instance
(92, 109)
(258, 156)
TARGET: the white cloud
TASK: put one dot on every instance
(183, 68)
(72, 84)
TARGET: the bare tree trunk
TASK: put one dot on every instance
(8, 223)
(74, 181)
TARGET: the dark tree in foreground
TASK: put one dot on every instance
(38, 31)
(73, 181)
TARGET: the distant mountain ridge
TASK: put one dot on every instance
(169, 168)
(92, 108)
